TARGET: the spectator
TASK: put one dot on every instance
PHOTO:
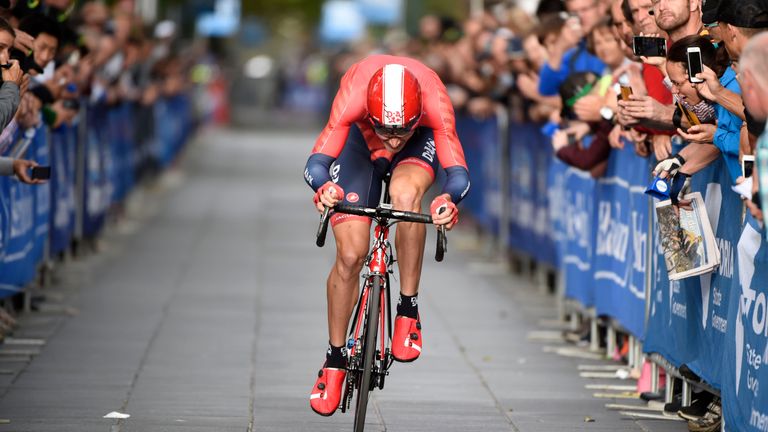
(678, 18)
(569, 53)
(753, 69)
(10, 93)
(18, 167)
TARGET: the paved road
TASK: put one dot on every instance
(207, 313)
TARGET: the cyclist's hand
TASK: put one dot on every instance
(450, 214)
(328, 195)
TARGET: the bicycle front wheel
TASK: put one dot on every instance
(369, 352)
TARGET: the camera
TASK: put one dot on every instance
(26, 63)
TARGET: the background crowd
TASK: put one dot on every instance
(565, 68)
(96, 98)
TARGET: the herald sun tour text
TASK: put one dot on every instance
(758, 420)
(613, 236)
(577, 225)
(754, 360)
(755, 305)
(726, 258)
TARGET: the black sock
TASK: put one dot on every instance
(336, 357)
(408, 306)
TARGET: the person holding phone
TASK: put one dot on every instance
(753, 72)
(724, 136)
(23, 170)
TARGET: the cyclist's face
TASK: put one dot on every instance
(394, 143)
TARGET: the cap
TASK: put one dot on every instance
(744, 13)
(710, 11)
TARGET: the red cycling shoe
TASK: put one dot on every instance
(326, 394)
(406, 341)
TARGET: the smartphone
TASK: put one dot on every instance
(693, 119)
(572, 139)
(694, 64)
(515, 48)
(41, 173)
(747, 165)
(649, 46)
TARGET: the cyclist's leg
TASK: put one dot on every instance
(361, 180)
(413, 174)
(352, 237)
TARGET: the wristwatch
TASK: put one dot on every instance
(607, 113)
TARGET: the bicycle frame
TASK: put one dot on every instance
(378, 263)
(369, 360)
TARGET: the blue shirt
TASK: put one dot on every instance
(728, 131)
(577, 58)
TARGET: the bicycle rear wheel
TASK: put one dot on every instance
(369, 352)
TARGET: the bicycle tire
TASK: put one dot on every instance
(369, 351)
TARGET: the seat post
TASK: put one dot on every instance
(386, 199)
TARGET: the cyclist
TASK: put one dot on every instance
(390, 115)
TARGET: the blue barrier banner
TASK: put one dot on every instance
(622, 237)
(479, 138)
(40, 152)
(62, 189)
(579, 229)
(545, 252)
(688, 316)
(96, 194)
(724, 210)
(556, 208)
(530, 229)
(18, 267)
(745, 357)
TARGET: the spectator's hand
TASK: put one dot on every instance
(528, 84)
(669, 166)
(444, 212)
(623, 117)
(700, 134)
(559, 140)
(13, 73)
(614, 138)
(752, 206)
(328, 195)
(662, 147)
(21, 168)
(24, 86)
(644, 107)
(63, 114)
(680, 185)
(642, 149)
(711, 86)
(588, 108)
(23, 42)
(578, 129)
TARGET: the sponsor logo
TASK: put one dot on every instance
(334, 171)
(393, 118)
(353, 197)
(429, 151)
(308, 177)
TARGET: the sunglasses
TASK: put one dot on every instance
(394, 131)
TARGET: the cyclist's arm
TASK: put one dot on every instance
(440, 117)
(348, 107)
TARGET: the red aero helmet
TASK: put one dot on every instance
(394, 100)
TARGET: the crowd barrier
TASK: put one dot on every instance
(601, 236)
(94, 166)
